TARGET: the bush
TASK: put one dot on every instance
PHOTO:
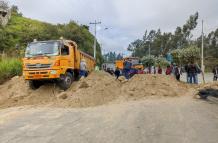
(154, 61)
(9, 68)
(148, 61)
(186, 55)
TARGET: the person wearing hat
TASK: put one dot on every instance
(83, 68)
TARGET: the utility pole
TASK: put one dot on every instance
(149, 50)
(95, 40)
(202, 52)
(202, 47)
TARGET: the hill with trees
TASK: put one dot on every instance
(20, 31)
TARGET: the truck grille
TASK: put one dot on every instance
(38, 66)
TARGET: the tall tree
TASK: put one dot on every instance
(161, 43)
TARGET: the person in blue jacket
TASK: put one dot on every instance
(127, 67)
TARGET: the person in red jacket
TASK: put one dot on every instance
(168, 70)
(159, 71)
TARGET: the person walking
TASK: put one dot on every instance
(215, 73)
(117, 73)
(83, 68)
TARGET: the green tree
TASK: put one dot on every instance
(21, 31)
(161, 43)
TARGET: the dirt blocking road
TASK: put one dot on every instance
(98, 109)
(165, 120)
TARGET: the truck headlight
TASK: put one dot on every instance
(53, 72)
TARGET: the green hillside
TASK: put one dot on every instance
(20, 31)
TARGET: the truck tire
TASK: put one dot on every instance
(34, 84)
(66, 81)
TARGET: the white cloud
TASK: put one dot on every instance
(127, 20)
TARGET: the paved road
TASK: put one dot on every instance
(166, 120)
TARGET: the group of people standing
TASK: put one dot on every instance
(170, 70)
(192, 71)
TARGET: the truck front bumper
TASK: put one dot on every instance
(41, 74)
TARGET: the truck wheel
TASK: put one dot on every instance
(66, 81)
(34, 84)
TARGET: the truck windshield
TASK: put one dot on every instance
(42, 49)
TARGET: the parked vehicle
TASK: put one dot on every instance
(109, 67)
(137, 67)
(57, 60)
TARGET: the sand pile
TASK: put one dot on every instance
(13, 88)
(153, 85)
(98, 89)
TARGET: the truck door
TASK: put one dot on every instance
(66, 60)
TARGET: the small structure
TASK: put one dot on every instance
(5, 14)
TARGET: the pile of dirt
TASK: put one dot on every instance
(97, 89)
(14, 88)
(153, 85)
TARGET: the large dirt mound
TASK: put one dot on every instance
(98, 89)
(153, 85)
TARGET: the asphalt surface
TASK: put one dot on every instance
(165, 120)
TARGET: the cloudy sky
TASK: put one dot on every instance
(126, 20)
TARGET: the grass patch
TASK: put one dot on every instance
(9, 68)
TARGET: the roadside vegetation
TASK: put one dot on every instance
(10, 67)
(21, 30)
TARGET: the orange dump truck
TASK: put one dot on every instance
(134, 60)
(57, 60)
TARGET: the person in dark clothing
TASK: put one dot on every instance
(192, 73)
(177, 73)
(127, 67)
(187, 75)
(117, 73)
(155, 70)
(159, 71)
(215, 73)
